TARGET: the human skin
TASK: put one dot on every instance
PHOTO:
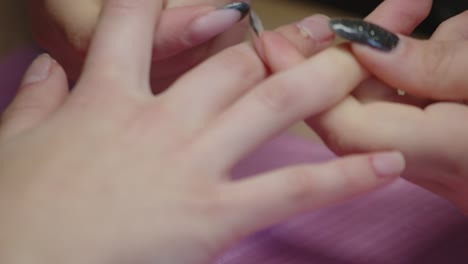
(65, 27)
(112, 173)
(431, 133)
(426, 124)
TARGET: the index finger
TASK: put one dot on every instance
(123, 40)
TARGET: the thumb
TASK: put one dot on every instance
(425, 68)
(42, 92)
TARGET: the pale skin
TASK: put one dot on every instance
(426, 124)
(110, 172)
(430, 131)
(65, 27)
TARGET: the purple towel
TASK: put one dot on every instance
(399, 224)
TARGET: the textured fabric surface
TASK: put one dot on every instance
(399, 224)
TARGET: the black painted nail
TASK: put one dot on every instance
(359, 31)
(242, 7)
(256, 23)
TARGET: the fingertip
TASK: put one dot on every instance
(37, 99)
(388, 165)
(279, 52)
(38, 71)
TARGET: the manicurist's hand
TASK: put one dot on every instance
(427, 123)
(432, 130)
(110, 173)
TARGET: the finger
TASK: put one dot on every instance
(183, 28)
(42, 92)
(262, 201)
(287, 46)
(397, 15)
(401, 16)
(315, 29)
(453, 29)
(282, 100)
(374, 90)
(243, 69)
(429, 69)
(166, 71)
(122, 46)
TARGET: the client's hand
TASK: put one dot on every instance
(110, 173)
(188, 33)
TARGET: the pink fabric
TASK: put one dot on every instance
(400, 224)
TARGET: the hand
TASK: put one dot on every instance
(376, 118)
(431, 133)
(112, 173)
(65, 27)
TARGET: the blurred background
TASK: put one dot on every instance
(14, 30)
(14, 33)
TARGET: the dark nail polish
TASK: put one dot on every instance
(256, 23)
(362, 32)
(242, 7)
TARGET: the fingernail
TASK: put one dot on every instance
(38, 71)
(242, 7)
(390, 164)
(316, 28)
(256, 23)
(361, 32)
(217, 22)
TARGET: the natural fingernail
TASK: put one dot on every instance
(390, 164)
(316, 27)
(39, 70)
(359, 31)
(217, 22)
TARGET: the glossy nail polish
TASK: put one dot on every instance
(362, 32)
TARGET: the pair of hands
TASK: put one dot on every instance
(111, 172)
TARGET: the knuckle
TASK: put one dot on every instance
(436, 63)
(30, 108)
(242, 61)
(299, 184)
(277, 96)
(342, 142)
(352, 179)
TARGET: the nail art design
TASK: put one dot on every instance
(362, 32)
(242, 7)
(256, 23)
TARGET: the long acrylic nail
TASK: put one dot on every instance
(256, 23)
(390, 164)
(217, 22)
(359, 31)
(316, 28)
